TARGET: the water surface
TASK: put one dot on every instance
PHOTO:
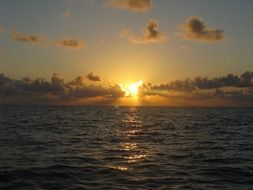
(57, 147)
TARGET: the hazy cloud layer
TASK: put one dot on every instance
(93, 77)
(196, 29)
(151, 34)
(28, 38)
(220, 91)
(132, 5)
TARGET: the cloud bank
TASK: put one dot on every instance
(131, 5)
(55, 91)
(151, 34)
(229, 90)
(196, 29)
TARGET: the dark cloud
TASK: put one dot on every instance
(78, 81)
(10, 87)
(186, 85)
(244, 80)
(151, 34)
(231, 80)
(89, 91)
(28, 38)
(55, 89)
(196, 29)
(70, 42)
(132, 5)
(93, 77)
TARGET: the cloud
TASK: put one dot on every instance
(28, 38)
(70, 42)
(66, 42)
(93, 77)
(203, 83)
(42, 91)
(236, 90)
(78, 81)
(151, 34)
(131, 5)
(196, 29)
(231, 80)
(185, 85)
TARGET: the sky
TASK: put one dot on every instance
(185, 52)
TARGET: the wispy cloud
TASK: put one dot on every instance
(93, 77)
(196, 29)
(28, 38)
(151, 34)
(131, 5)
(70, 42)
(66, 42)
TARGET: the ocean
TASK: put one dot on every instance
(89, 147)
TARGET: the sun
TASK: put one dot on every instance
(132, 89)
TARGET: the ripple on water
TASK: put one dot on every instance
(125, 148)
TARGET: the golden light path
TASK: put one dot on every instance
(132, 150)
(132, 89)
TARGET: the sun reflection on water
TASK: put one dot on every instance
(131, 148)
(120, 168)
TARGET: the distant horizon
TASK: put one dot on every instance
(227, 91)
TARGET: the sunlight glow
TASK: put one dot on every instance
(132, 90)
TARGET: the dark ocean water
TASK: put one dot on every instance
(125, 148)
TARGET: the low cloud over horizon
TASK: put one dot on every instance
(229, 90)
(131, 5)
(196, 29)
(151, 34)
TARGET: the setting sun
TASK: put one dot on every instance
(132, 89)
